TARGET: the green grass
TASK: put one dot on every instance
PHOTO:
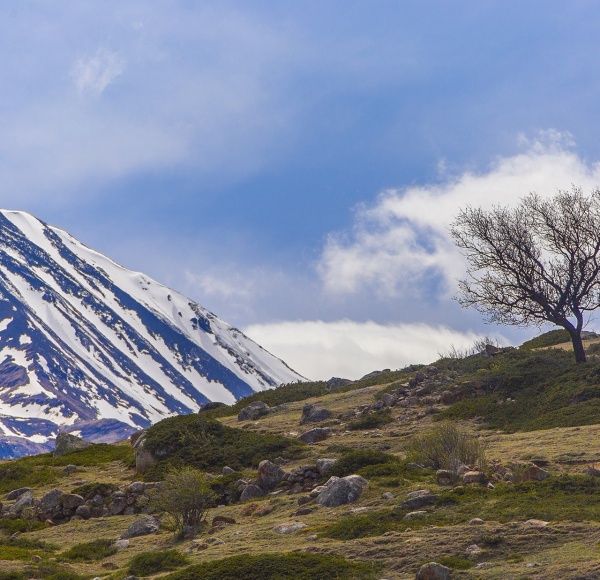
(203, 443)
(371, 421)
(148, 563)
(19, 525)
(23, 549)
(296, 565)
(90, 551)
(353, 461)
(547, 389)
(547, 339)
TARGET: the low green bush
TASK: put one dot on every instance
(148, 563)
(16, 474)
(551, 338)
(371, 421)
(296, 565)
(204, 443)
(90, 551)
(447, 446)
(14, 575)
(20, 525)
(52, 571)
(353, 461)
(23, 548)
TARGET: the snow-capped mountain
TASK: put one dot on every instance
(90, 347)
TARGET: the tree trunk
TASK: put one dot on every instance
(578, 349)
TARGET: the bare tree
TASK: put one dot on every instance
(535, 263)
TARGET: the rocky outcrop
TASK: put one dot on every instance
(341, 490)
(336, 382)
(433, 571)
(254, 411)
(142, 527)
(315, 435)
(312, 414)
(269, 475)
(65, 443)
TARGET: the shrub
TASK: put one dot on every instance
(371, 421)
(23, 548)
(20, 525)
(446, 446)
(15, 474)
(203, 443)
(90, 551)
(153, 562)
(52, 571)
(296, 565)
(352, 461)
(547, 339)
(185, 497)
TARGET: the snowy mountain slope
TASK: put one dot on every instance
(83, 339)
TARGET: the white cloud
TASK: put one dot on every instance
(402, 240)
(320, 350)
(94, 74)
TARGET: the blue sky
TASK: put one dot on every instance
(294, 166)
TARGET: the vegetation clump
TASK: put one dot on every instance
(353, 461)
(371, 420)
(148, 563)
(90, 551)
(297, 565)
(204, 443)
(447, 446)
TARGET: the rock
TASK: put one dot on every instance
(269, 475)
(446, 477)
(415, 515)
(223, 520)
(433, 571)
(389, 400)
(388, 495)
(65, 443)
(17, 493)
(142, 527)
(342, 490)
(209, 406)
(418, 500)
(535, 473)
(71, 501)
(51, 500)
(289, 528)
(473, 549)
(143, 458)
(324, 466)
(227, 470)
(312, 414)
(473, 477)
(447, 398)
(314, 435)
(24, 501)
(536, 523)
(336, 382)
(254, 411)
(476, 522)
(137, 487)
(134, 437)
(252, 491)
(121, 544)
(84, 512)
(592, 470)
(69, 469)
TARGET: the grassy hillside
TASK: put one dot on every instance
(521, 405)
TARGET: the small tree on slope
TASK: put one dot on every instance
(535, 263)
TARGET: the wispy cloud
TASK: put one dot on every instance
(320, 350)
(401, 242)
(94, 74)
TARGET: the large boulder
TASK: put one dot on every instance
(433, 571)
(342, 490)
(269, 475)
(24, 501)
(142, 527)
(65, 443)
(312, 414)
(418, 499)
(336, 382)
(314, 435)
(251, 492)
(254, 411)
(51, 500)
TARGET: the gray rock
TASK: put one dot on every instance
(314, 435)
(227, 470)
(311, 414)
(121, 544)
(65, 443)
(433, 571)
(84, 512)
(389, 399)
(69, 469)
(24, 501)
(474, 477)
(324, 466)
(137, 487)
(289, 528)
(335, 383)
(254, 411)
(342, 490)
(415, 515)
(446, 477)
(387, 495)
(71, 501)
(269, 475)
(252, 492)
(476, 522)
(142, 527)
(418, 501)
(117, 506)
(17, 493)
(51, 500)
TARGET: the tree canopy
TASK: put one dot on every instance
(534, 263)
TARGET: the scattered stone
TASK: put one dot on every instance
(446, 477)
(324, 466)
(25, 500)
(17, 493)
(251, 491)
(314, 435)
(142, 527)
(223, 520)
(121, 544)
(433, 571)
(254, 411)
(269, 475)
(473, 549)
(482, 566)
(312, 414)
(342, 490)
(418, 501)
(535, 473)
(476, 522)
(71, 501)
(474, 477)
(388, 495)
(311, 538)
(415, 515)
(65, 443)
(83, 511)
(289, 528)
(69, 469)
(227, 470)
(389, 399)
(533, 523)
